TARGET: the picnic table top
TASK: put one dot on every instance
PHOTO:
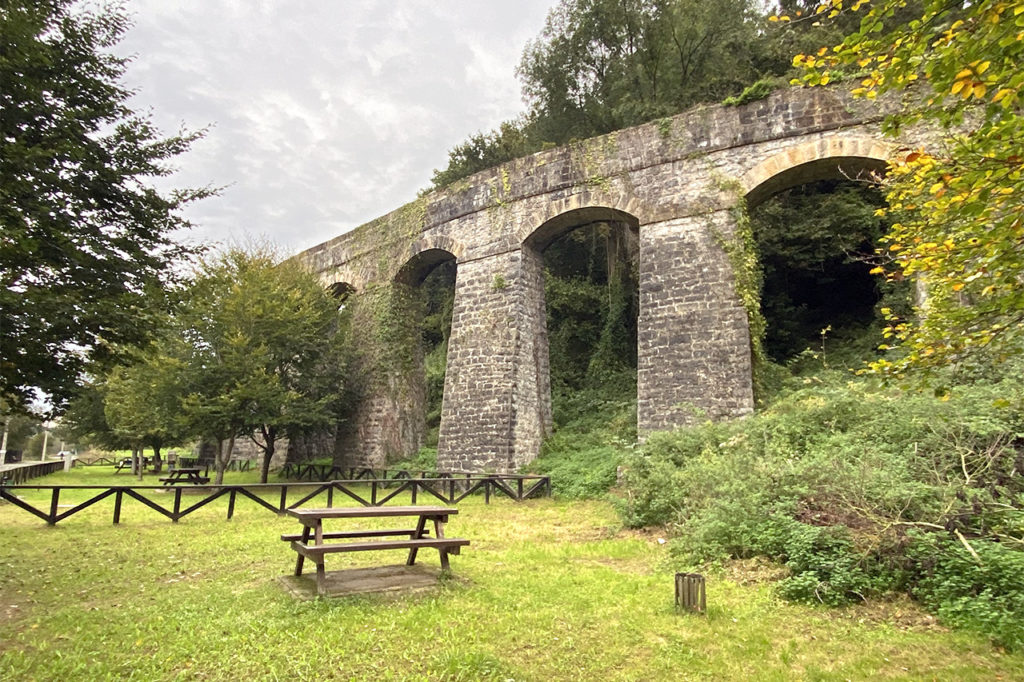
(185, 470)
(369, 512)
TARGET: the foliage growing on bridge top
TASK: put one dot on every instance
(603, 65)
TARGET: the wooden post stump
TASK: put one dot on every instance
(690, 594)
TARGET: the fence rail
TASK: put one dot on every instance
(233, 465)
(19, 473)
(448, 490)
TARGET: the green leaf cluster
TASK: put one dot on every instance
(85, 249)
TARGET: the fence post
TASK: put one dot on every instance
(177, 503)
(117, 507)
(54, 496)
(231, 502)
(284, 499)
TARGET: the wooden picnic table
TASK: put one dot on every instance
(126, 463)
(185, 475)
(417, 536)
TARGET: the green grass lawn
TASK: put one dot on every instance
(548, 589)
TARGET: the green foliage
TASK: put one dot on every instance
(982, 590)
(262, 349)
(85, 246)
(485, 150)
(831, 478)
(595, 427)
(592, 304)
(752, 93)
(425, 459)
(19, 427)
(956, 204)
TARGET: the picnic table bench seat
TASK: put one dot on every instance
(447, 545)
(348, 534)
(195, 479)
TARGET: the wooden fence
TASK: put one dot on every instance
(449, 490)
(233, 465)
(19, 473)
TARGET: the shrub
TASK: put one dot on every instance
(858, 490)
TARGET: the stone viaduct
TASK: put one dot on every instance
(679, 183)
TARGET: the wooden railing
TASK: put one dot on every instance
(19, 473)
(233, 465)
(449, 490)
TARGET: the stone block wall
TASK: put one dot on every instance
(694, 358)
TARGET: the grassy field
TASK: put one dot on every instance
(548, 589)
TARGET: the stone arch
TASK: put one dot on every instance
(532, 247)
(835, 156)
(421, 264)
(584, 205)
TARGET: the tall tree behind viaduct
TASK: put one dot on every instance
(681, 182)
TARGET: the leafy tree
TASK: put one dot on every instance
(142, 400)
(84, 236)
(601, 65)
(86, 421)
(957, 206)
(17, 427)
(263, 354)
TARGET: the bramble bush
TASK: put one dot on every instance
(858, 490)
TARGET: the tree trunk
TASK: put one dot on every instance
(222, 458)
(137, 462)
(157, 464)
(270, 436)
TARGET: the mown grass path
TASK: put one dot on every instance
(547, 590)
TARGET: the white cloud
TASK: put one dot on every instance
(325, 114)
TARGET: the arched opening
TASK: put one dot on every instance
(590, 259)
(341, 291)
(429, 281)
(816, 228)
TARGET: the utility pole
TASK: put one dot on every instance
(46, 436)
(3, 446)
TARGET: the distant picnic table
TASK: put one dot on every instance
(417, 536)
(193, 475)
(126, 463)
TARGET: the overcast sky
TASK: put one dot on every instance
(323, 114)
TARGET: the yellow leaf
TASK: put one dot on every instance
(773, 18)
(979, 90)
(876, 271)
(983, 67)
(958, 86)
(1001, 94)
(936, 188)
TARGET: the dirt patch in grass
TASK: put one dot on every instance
(898, 611)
